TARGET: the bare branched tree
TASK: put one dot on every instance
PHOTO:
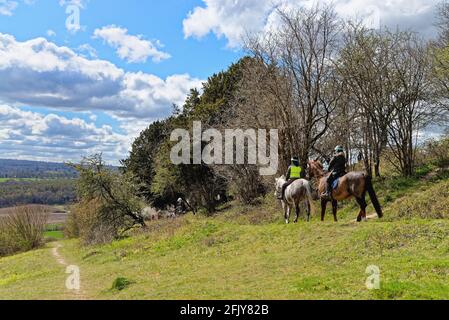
(364, 65)
(440, 51)
(295, 76)
(409, 75)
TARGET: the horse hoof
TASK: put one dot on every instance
(287, 222)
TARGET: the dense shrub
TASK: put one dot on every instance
(87, 222)
(429, 204)
(71, 228)
(108, 205)
(435, 152)
(22, 229)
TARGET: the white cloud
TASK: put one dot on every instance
(7, 7)
(228, 18)
(40, 73)
(51, 33)
(232, 18)
(133, 49)
(31, 135)
(87, 51)
(79, 3)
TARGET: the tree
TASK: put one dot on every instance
(412, 111)
(440, 50)
(199, 183)
(115, 195)
(441, 71)
(443, 23)
(297, 63)
(364, 64)
(141, 160)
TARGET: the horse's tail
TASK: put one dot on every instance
(373, 196)
(310, 198)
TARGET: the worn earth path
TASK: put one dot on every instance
(71, 294)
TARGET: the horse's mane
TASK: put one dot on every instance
(316, 163)
(316, 167)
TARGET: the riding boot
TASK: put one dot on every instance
(284, 187)
(327, 195)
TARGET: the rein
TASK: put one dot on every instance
(317, 175)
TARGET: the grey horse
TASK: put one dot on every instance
(299, 191)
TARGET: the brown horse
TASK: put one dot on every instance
(354, 184)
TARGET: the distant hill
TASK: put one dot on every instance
(35, 170)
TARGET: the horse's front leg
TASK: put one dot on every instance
(308, 211)
(297, 213)
(334, 210)
(323, 209)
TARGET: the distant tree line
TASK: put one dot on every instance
(48, 192)
(35, 169)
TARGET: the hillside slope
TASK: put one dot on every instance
(248, 253)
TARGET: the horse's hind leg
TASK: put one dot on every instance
(298, 211)
(287, 214)
(308, 210)
(334, 210)
(362, 203)
(323, 209)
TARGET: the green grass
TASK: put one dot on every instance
(249, 253)
(57, 235)
(2, 180)
(32, 275)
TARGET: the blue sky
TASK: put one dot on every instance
(162, 20)
(67, 92)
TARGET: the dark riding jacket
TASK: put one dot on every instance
(338, 164)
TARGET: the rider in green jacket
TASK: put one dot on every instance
(294, 173)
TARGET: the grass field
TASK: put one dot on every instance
(2, 180)
(249, 253)
(58, 235)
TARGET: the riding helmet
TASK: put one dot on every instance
(339, 149)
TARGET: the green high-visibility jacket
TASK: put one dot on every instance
(295, 172)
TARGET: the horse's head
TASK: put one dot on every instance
(315, 169)
(278, 186)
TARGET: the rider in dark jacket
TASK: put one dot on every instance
(337, 168)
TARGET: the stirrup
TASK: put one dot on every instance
(326, 196)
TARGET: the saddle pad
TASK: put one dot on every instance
(335, 184)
